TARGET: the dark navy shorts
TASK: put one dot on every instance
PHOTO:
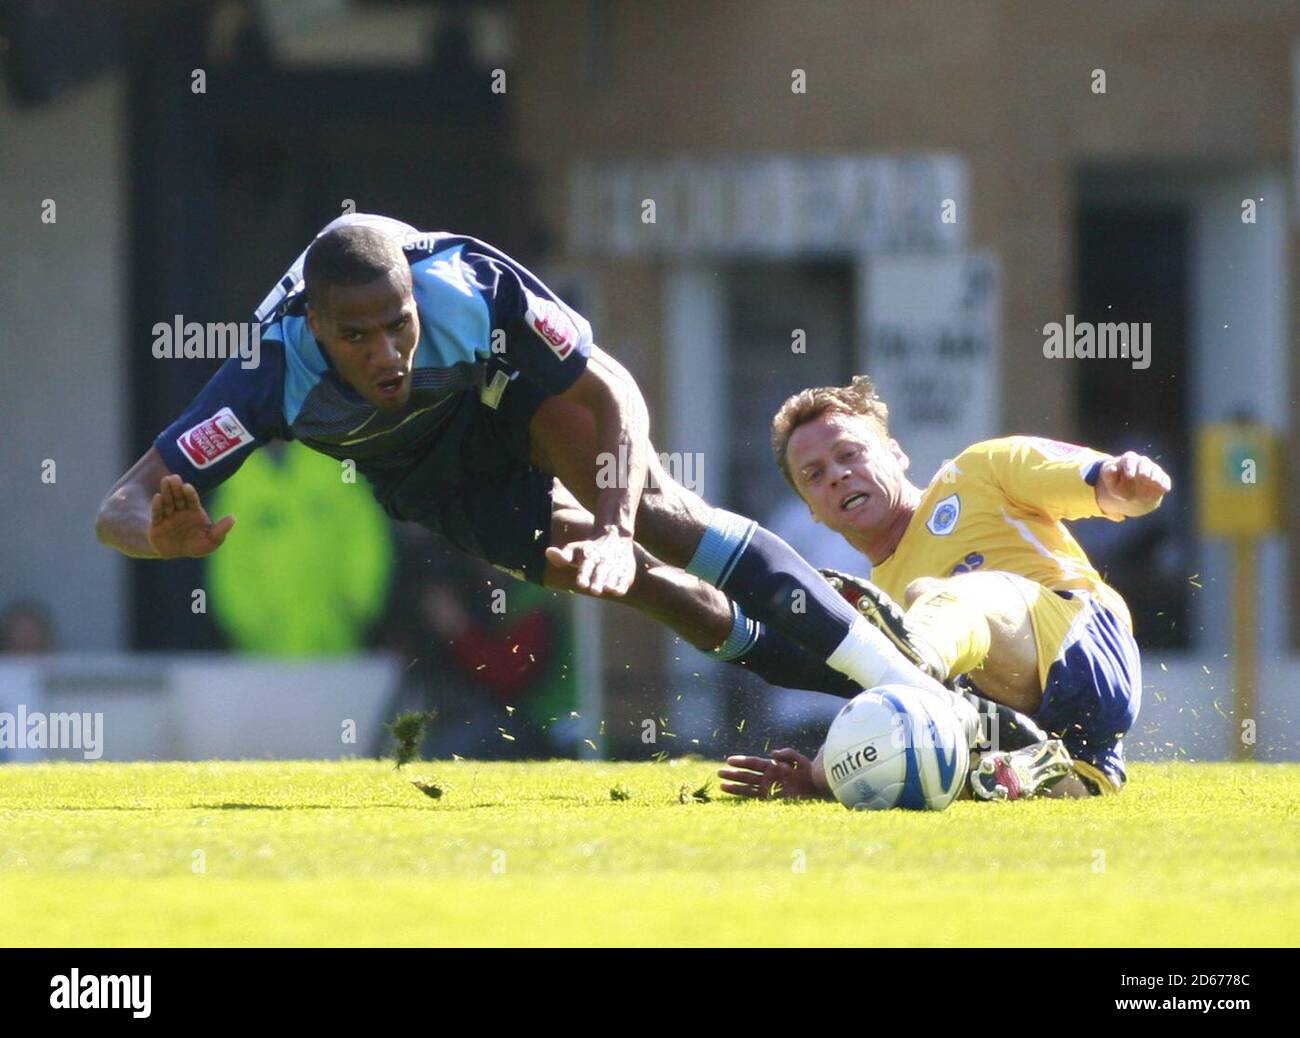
(1093, 693)
(476, 489)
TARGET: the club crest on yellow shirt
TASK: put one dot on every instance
(943, 520)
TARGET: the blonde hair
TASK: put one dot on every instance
(859, 400)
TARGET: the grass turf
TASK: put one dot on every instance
(350, 853)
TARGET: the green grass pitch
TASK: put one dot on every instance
(350, 853)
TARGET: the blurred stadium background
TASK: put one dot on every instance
(796, 156)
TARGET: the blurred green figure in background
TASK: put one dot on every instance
(268, 591)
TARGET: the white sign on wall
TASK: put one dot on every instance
(931, 342)
(768, 205)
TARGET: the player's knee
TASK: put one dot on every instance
(1006, 598)
(919, 587)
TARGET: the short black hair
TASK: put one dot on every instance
(350, 255)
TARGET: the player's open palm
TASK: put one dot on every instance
(179, 525)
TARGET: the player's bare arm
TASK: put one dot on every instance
(150, 513)
(605, 561)
(1131, 485)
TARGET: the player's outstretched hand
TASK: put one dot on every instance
(605, 564)
(787, 773)
(178, 524)
(1131, 485)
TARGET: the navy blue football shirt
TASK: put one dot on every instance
(470, 297)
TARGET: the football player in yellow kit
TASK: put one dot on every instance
(995, 586)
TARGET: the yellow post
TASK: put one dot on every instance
(1238, 478)
(1244, 593)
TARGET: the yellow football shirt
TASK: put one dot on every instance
(1000, 505)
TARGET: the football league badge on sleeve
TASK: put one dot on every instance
(554, 326)
(213, 439)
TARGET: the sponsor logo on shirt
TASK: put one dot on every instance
(1056, 448)
(971, 562)
(211, 440)
(555, 327)
(943, 520)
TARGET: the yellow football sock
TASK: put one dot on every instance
(957, 630)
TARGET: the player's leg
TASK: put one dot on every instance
(955, 642)
(1087, 685)
(698, 612)
(480, 492)
(1093, 690)
(756, 569)
(981, 625)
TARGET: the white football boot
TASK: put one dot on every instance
(1020, 774)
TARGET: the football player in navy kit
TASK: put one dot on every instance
(476, 403)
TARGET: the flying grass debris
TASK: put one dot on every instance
(408, 730)
(685, 795)
(428, 787)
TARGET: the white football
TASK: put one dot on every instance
(896, 746)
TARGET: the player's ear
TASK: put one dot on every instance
(313, 322)
(899, 454)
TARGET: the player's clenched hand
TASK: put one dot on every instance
(605, 564)
(788, 773)
(1131, 484)
(179, 526)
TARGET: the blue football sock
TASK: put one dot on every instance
(779, 661)
(772, 583)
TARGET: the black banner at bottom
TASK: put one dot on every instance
(368, 986)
